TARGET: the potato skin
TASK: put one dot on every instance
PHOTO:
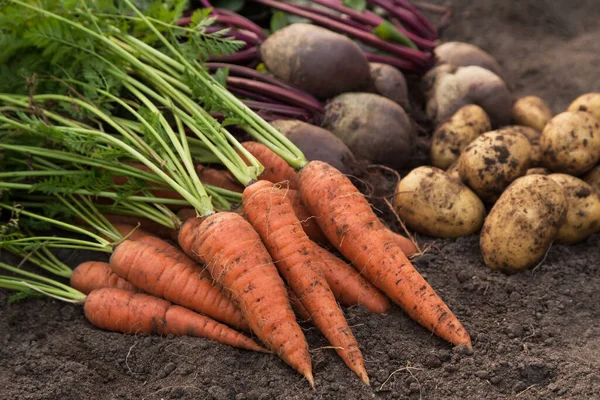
(592, 178)
(317, 143)
(570, 142)
(372, 126)
(583, 209)
(492, 161)
(589, 102)
(534, 140)
(432, 203)
(315, 59)
(389, 82)
(523, 223)
(531, 111)
(448, 88)
(451, 137)
(463, 54)
(452, 171)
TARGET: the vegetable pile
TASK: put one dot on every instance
(115, 130)
(211, 157)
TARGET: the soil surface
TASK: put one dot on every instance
(536, 335)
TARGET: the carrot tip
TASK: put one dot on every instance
(365, 379)
(310, 379)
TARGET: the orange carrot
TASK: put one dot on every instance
(91, 275)
(272, 215)
(310, 226)
(174, 278)
(244, 267)
(297, 306)
(124, 311)
(348, 286)
(219, 178)
(407, 246)
(349, 223)
(276, 169)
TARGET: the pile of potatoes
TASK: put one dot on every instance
(523, 186)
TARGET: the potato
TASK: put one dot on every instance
(592, 178)
(537, 171)
(451, 137)
(389, 82)
(315, 59)
(492, 161)
(570, 142)
(452, 171)
(432, 203)
(317, 143)
(534, 140)
(372, 126)
(583, 209)
(462, 54)
(531, 111)
(589, 102)
(523, 223)
(448, 88)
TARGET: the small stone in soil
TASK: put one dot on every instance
(519, 387)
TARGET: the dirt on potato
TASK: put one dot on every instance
(536, 334)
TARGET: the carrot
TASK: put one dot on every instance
(297, 306)
(276, 169)
(91, 275)
(272, 215)
(348, 286)
(128, 312)
(244, 267)
(407, 246)
(174, 277)
(349, 223)
(219, 178)
(310, 226)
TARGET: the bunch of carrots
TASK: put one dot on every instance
(117, 135)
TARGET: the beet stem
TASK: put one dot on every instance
(275, 92)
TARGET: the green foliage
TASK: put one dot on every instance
(278, 21)
(387, 31)
(22, 295)
(358, 5)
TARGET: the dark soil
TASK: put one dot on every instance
(536, 334)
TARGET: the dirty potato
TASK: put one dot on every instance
(534, 140)
(523, 223)
(492, 161)
(432, 203)
(589, 102)
(452, 171)
(531, 111)
(452, 136)
(570, 142)
(583, 209)
(593, 178)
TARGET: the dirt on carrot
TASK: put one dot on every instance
(272, 215)
(246, 270)
(124, 311)
(363, 239)
(177, 279)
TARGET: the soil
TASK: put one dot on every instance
(535, 334)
